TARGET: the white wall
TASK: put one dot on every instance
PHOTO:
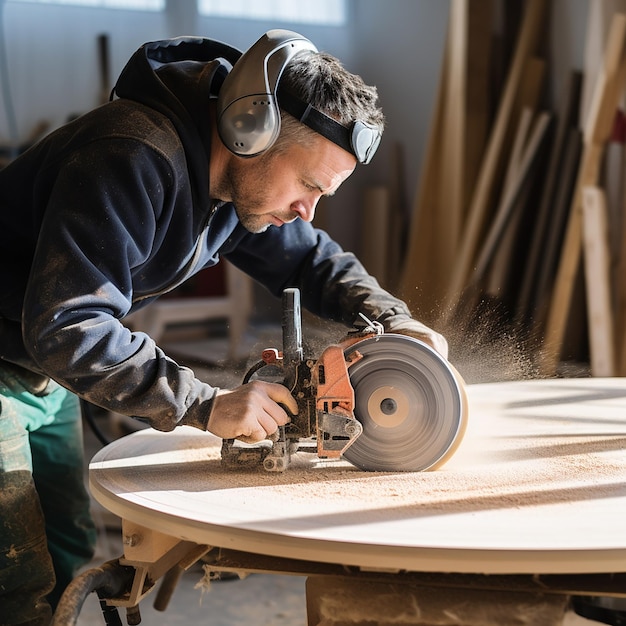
(52, 57)
(52, 50)
(399, 48)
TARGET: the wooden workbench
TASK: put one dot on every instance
(530, 509)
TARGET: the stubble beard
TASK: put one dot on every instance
(246, 189)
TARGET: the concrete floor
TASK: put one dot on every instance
(255, 600)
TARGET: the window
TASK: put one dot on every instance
(327, 12)
(144, 5)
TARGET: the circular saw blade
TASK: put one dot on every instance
(411, 403)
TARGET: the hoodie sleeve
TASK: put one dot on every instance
(96, 239)
(333, 283)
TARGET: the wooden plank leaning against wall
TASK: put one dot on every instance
(513, 228)
(456, 143)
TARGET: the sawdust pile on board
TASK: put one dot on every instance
(548, 473)
(462, 489)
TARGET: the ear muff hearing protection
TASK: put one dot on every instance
(248, 117)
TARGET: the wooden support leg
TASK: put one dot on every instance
(342, 601)
(154, 555)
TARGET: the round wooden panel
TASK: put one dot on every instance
(538, 485)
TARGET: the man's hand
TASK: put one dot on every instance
(404, 325)
(251, 412)
(428, 336)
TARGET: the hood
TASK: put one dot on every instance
(141, 79)
(176, 77)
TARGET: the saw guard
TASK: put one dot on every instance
(334, 404)
(411, 403)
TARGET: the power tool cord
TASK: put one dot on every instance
(87, 411)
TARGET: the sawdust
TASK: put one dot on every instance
(484, 350)
(487, 351)
(493, 474)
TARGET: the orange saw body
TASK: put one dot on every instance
(384, 402)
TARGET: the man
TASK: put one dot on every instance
(189, 162)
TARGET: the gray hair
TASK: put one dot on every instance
(320, 80)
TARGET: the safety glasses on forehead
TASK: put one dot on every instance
(360, 139)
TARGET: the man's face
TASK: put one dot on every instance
(279, 188)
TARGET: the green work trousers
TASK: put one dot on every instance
(46, 530)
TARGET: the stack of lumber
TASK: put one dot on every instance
(519, 209)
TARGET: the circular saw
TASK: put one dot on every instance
(383, 402)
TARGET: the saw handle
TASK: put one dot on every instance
(293, 353)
